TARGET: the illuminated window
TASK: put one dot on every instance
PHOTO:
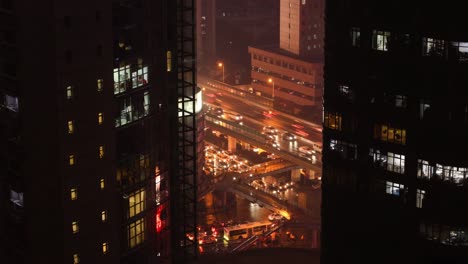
(390, 134)
(105, 248)
(136, 233)
(69, 92)
(103, 216)
(70, 127)
(100, 85)
(380, 40)
(332, 121)
(355, 37)
(101, 152)
(169, 60)
(396, 162)
(73, 194)
(136, 202)
(400, 101)
(76, 259)
(75, 227)
(394, 188)
(101, 184)
(424, 169)
(71, 160)
(433, 47)
(420, 197)
(100, 118)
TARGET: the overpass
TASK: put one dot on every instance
(254, 137)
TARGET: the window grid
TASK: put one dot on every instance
(332, 121)
(390, 134)
(420, 197)
(105, 248)
(101, 184)
(73, 194)
(70, 127)
(380, 40)
(136, 203)
(100, 85)
(75, 227)
(355, 37)
(434, 47)
(136, 233)
(104, 216)
(69, 92)
(394, 188)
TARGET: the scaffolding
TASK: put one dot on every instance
(184, 183)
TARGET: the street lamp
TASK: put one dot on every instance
(221, 65)
(270, 80)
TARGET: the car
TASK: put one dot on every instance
(306, 150)
(218, 111)
(270, 129)
(270, 135)
(289, 136)
(234, 116)
(207, 240)
(275, 217)
(273, 143)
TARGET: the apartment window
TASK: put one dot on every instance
(433, 47)
(423, 106)
(100, 85)
(100, 118)
(461, 50)
(71, 160)
(73, 194)
(355, 37)
(105, 248)
(394, 188)
(396, 162)
(400, 101)
(103, 216)
(136, 233)
(102, 184)
(76, 258)
(332, 121)
(69, 92)
(345, 91)
(390, 134)
(136, 203)
(75, 227)
(380, 40)
(101, 152)
(169, 61)
(424, 169)
(420, 197)
(70, 127)
(345, 150)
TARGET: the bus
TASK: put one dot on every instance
(246, 230)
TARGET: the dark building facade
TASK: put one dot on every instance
(395, 124)
(97, 131)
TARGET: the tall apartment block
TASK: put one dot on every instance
(291, 71)
(395, 125)
(97, 131)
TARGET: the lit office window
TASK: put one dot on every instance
(136, 233)
(102, 184)
(71, 160)
(169, 60)
(105, 247)
(100, 118)
(136, 203)
(433, 47)
(73, 194)
(103, 216)
(70, 127)
(101, 152)
(420, 197)
(396, 162)
(332, 121)
(75, 227)
(100, 85)
(355, 37)
(76, 258)
(390, 134)
(69, 92)
(394, 188)
(400, 101)
(380, 40)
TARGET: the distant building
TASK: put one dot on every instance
(395, 169)
(295, 65)
(97, 131)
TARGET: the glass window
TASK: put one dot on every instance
(136, 233)
(76, 258)
(100, 118)
(461, 50)
(420, 197)
(169, 61)
(69, 92)
(73, 194)
(424, 170)
(71, 160)
(400, 101)
(136, 202)
(105, 247)
(355, 37)
(380, 40)
(423, 106)
(394, 188)
(75, 227)
(101, 184)
(101, 152)
(103, 216)
(332, 121)
(396, 162)
(70, 127)
(100, 85)
(433, 47)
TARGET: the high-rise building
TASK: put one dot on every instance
(290, 72)
(97, 131)
(395, 125)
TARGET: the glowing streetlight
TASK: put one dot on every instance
(221, 65)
